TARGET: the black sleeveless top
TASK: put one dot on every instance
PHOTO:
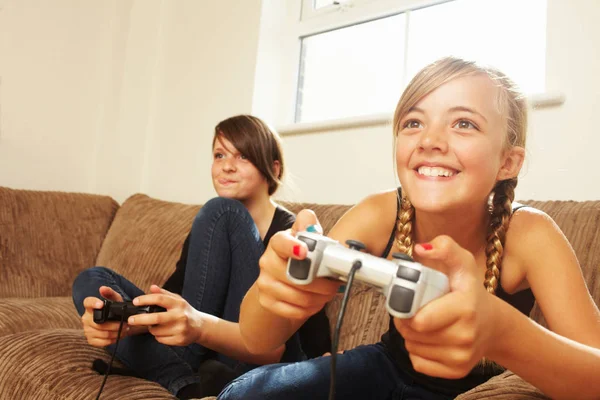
(393, 340)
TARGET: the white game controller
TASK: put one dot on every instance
(406, 284)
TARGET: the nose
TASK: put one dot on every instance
(433, 138)
(229, 165)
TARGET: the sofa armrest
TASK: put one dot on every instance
(25, 314)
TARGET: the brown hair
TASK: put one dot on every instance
(512, 104)
(252, 137)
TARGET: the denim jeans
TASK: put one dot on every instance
(366, 372)
(222, 264)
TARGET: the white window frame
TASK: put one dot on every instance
(309, 22)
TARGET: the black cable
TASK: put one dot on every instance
(112, 358)
(338, 326)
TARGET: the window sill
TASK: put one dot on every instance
(537, 101)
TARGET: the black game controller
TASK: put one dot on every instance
(117, 311)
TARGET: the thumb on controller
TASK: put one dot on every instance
(306, 220)
(445, 255)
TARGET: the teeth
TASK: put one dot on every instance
(435, 171)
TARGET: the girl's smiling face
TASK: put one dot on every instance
(451, 146)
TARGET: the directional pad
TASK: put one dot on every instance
(410, 274)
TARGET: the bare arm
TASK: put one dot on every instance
(553, 363)
(552, 271)
(225, 337)
(274, 308)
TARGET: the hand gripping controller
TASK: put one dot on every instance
(115, 311)
(406, 284)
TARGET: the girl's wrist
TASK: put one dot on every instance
(204, 326)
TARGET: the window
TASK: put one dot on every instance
(357, 55)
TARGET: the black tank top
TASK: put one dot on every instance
(393, 340)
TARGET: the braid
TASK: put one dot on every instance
(501, 210)
(404, 227)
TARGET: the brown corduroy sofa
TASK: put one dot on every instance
(46, 238)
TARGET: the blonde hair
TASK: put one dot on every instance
(512, 105)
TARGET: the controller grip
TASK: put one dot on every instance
(100, 315)
(299, 269)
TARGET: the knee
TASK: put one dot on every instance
(86, 281)
(90, 275)
(222, 204)
(218, 206)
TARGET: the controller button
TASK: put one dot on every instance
(402, 256)
(401, 299)
(408, 273)
(299, 269)
(310, 243)
(356, 245)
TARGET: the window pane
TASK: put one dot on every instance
(352, 71)
(508, 34)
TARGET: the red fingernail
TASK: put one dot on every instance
(297, 250)
(427, 246)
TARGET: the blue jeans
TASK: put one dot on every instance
(222, 264)
(366, 372)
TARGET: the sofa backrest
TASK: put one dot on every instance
(47, 238)
(146, 238)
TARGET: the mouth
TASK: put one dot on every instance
(225, 182)
(436, 171)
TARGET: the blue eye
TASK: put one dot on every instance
(465, 124)
(412, 124)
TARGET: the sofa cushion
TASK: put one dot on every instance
(55, 364)
(46, 238)
(145, 239)
(22, 314)
(506, 386)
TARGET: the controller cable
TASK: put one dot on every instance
(112, 358)
(338, 326)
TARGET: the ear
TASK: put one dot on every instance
(277, 168)
(511, 163)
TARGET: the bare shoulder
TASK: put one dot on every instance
(537, 248)
(371, 221)
(531, 228)
(534, 242)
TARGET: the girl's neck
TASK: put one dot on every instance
(468, 227)
(261, 209)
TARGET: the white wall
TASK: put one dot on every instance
(52, 62)
(121, 96)
(563, 142)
